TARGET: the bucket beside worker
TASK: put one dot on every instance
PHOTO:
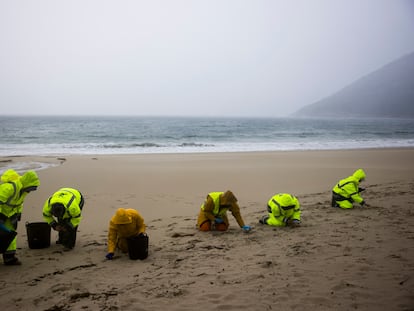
(138, 246)
(6, 237)
(38, 234)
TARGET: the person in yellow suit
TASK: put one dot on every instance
(13, 191)
(213, 213)
(63, 212)
(126, 223)
(284, 210)
(347, 191)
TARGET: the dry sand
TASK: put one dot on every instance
(360, 259)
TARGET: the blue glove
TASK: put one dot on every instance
(218, 221)
(109, 256)
(3, 227)
(246, 228)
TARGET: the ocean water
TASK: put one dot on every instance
(135, 135)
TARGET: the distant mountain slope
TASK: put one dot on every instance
(387, 92)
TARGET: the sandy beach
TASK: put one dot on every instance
(359, 259)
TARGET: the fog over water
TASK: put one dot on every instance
(186, 58)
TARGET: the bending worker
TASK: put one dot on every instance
(124, 224)
(13, 191)
(347, 191)
(284, 210)
(213, 213)
(62, 211)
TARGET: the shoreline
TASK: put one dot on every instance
(62, 157)
(52, 155)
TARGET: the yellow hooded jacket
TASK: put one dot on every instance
(282, 207)
(216, 205)
(124, 224)
(14, 189)
(71, 199)
(348, 188)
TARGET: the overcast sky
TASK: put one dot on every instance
(192, 57)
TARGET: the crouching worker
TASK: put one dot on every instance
(62, 211)
(13, 191)
(213, 213)
(284, 210)
(347, 191)
(125, 224)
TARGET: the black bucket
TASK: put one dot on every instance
(6, 237)
(38, 234)
(138, 247)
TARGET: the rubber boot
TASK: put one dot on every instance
(11, 260)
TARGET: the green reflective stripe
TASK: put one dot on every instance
(338, 197)
(354, 193)
(348, 182)
(12, 196)
(67, 203)
(71, 199)
(271, 208)
(285, 208)
(276, 202)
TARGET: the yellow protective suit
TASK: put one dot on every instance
(216, 205)
(72, 200)
(124, 224)
(13, 191)
(347, 190)
(282, 207)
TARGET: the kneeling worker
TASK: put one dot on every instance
(62, 211)
(347, 191)
(213, 213)
(284, 210)
(126, 223)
